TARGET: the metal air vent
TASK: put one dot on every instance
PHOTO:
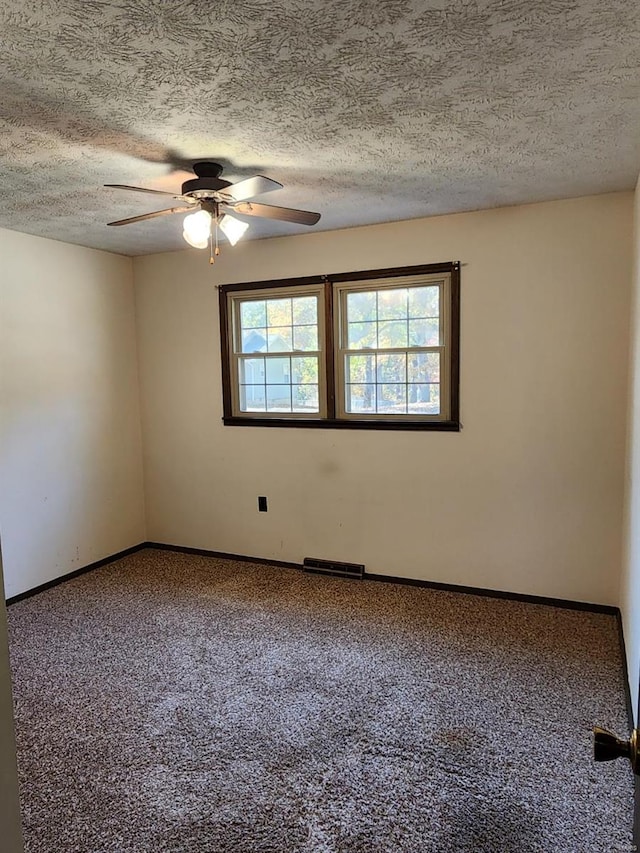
(333, 567)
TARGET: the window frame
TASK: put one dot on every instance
(236, 356)
(331, 370)
(342, 350)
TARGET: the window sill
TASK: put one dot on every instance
(327, 423)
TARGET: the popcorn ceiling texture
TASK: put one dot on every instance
(367, 112)
(170, 702)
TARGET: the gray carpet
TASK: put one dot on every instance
(178, 703)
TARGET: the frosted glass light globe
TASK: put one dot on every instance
(197, 229)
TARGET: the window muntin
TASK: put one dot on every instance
(372, 349)
(391, 340)
(277, 363)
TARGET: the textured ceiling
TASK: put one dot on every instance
(366, 110)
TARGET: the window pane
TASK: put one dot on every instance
(305, 310)
(304, 370)
(392, 399)
(278, 398)
(424, 302)
(279, 371)
(251, 371)
(361, 368)
(392, 368)
(280, 339)
(393, 333)
(305, 337)
(424, 399)
(361, 335)
(279, 312)
(361, 398)
(392, 304)
(279, 395)
(423, 367)
(252, 398)
(305, 398)
(253, 314)
(361, 307)
(424, 333)
(254, 340)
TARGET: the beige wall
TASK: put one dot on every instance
(527, 498)
(70, 454)
(10, 830)
(630, 582)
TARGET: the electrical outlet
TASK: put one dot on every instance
(262, 504)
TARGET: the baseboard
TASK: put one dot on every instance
(448, 587)
(75, 574)
(222, 555)
(368, 576)
(564, 603)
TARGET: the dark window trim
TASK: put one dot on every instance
(276, 282)
(330, 370)
(331, 422)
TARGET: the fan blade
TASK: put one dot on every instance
(250, 188)
(151, 215)
(142, 190)
(286, 214)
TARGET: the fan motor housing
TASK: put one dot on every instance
(204, 187)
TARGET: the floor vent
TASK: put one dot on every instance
(332, 567)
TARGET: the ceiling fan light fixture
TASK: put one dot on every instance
(232, 228)
(207, 196)
(197, 229)
(197, 244)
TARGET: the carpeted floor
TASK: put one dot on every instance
(179, 703)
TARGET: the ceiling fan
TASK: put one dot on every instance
(209, 202)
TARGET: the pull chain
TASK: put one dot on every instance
(213, 253)
(214, 213)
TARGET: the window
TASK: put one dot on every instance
(375, 349)
(277, 362)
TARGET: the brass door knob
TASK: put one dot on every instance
(608, 747)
